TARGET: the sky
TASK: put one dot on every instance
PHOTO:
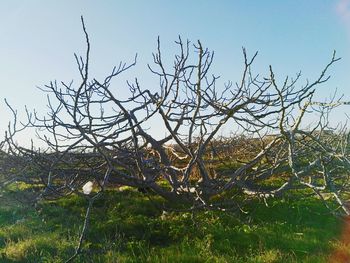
(39, 37)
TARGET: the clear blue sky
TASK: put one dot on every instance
(39, 37)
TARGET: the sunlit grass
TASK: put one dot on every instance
(128, 227)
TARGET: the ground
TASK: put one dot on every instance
(126, 226)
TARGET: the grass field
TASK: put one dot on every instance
(127, 227)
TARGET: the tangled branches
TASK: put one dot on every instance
(92, 135)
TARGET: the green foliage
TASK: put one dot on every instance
(128, 227)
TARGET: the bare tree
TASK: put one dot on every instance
(93, 135)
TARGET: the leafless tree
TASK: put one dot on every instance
(93, 135)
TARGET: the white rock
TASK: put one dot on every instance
(87, 188)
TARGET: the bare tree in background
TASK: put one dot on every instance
(93, 135)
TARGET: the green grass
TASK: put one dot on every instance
(127, 227)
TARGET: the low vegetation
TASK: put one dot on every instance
(129, 226)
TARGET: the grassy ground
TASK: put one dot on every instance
(127, 227)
